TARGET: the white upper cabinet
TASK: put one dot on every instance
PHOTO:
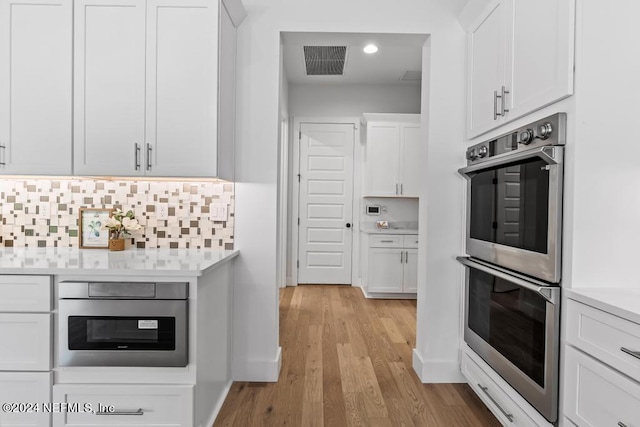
(147, 87)
(35, 86)
(109, 91)
(392, 152)
(514, 66)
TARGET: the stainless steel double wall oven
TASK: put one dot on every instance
(513, 271)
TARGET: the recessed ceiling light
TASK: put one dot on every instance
(370, 48)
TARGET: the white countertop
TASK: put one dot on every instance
(622, 302)
(394, 228)
(132, 262)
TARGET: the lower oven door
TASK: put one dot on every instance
(513, 323)
(106, 332)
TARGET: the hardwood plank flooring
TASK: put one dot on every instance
(346, 361)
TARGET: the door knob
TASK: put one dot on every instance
(348, 225)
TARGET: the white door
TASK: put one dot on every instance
(25, 387)
(410, 276)
(385, 270)
(35, 86)
(182, 54)
(325, 203)
(382, 159)
(109, 87)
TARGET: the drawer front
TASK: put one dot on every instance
(25, 387)
(596, 395)
(153, 405)
(25, 293)
(386, 241)
(26, 342)
(603, 336)
(496, 399)
(411, 241)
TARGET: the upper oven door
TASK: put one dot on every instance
(514, 210)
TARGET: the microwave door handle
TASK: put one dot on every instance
(551, 155)
(549, 293)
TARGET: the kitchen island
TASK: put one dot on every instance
(30, 368)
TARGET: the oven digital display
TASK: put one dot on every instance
(510, 205)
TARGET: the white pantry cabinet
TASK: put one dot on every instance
(35, 87)
(149, 88)
(392, 264)
(392, 153)
(520, 59)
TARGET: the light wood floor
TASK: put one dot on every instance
(347, 362)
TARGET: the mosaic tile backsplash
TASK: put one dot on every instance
(187, 226)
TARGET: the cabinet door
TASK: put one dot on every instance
(385, 270)
(35, 86)
(226, 95)
(181, 117)
(410, 137)
(382, 159)
(540, 67)
(26, 342)
(109, 90)
(410, 281)
(25, 387)
(486, 47)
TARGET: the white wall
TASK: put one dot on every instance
(256, 351)
(353, 100)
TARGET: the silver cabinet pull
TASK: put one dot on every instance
(149, 149)
(485, 390)
(386, 241)
(503, 100)
(3, 161)
(136, 155)
(495, 105)
(401, 252)
(138, 412)
(401, 189)
(635, 354)
(396, 189)
(621, 424)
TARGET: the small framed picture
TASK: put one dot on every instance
(91, 233)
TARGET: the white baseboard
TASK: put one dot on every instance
(219, 403)
(258, 370)
(437, 371)
(386, 295)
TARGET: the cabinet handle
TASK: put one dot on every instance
(503, 100)
(485, 390)
(401, 252)
(495, 105)
(621, 424)
(386, 241)
(138, 412)
(401, 189)
(635, 354)
(136, 155)
(149, 150)
(396, 189)
(4, 153)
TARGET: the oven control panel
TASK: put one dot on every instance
(548, 131)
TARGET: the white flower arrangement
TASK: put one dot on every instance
(121, 224)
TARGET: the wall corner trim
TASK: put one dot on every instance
(437, 371)
(258, 370)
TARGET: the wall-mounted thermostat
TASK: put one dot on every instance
(373, 210)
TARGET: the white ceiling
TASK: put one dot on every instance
(397, 54)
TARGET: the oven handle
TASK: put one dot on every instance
(551, 155)
(549, 293)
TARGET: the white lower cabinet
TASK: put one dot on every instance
(392, 264)
(27, 388)
(601, 368)
(26, 341)
(101, 405)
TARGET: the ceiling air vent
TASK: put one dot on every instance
(411, 76)
(325, 60)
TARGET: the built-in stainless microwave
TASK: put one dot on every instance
(122, 324)
(514, 199)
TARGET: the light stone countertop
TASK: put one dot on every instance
(395, 227)
(131, 262)
(621, 302)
